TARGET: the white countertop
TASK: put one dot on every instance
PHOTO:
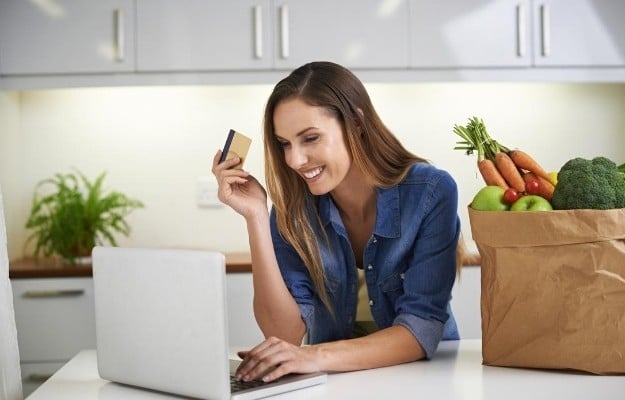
(456, 372)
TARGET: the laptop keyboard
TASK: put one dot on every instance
(237, 385)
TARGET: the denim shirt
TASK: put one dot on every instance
(409, 262)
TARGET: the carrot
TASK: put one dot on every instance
(491, 174)
(524, 161)
(545, 187)
(509, 171)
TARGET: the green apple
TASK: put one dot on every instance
(531, 202)
(489, 198)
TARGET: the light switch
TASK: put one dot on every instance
(207, 192)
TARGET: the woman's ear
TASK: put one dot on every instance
(361, 117)
(360, 113)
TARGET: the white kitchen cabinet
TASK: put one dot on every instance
(74, 43)
(66, 36)
(55, 320)
(34, 374)
(356, 33)
(517, 33)
(203, 35)
(468, 34)
(465, 302)
(242, 328)
(579, 33)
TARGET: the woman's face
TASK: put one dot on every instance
(313, 145)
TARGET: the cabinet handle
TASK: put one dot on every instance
(520, 26)
(36, 294)
(284, 32)
(258, 31)
(119, 35)
(546, 30)
(37, 377)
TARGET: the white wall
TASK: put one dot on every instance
(155, 141)
(10, 175)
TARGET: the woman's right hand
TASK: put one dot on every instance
(238, 189)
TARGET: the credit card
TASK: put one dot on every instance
(237, 145)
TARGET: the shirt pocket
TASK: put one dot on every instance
(392, 286)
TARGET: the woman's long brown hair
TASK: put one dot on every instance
(374, 149)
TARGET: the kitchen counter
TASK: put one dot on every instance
(455, 372)
(29, 268)
(236, 262)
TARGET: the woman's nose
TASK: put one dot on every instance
(295, 157)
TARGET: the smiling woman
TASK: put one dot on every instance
(355, 216)
(312, 140)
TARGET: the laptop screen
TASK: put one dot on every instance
(161, 320)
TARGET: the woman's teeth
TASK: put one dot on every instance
(313, 173)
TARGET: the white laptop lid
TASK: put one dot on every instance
(161, 320)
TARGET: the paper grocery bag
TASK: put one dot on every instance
(553, 288)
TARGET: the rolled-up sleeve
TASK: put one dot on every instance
(427, 332)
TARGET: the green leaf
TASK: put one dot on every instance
(70, 214)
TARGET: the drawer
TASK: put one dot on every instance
(34, 374)
(54, 317)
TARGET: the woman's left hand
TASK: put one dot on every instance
(274, 358)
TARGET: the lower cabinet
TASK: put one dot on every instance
(242, 328)
(465, 302)
(55, 320)
(34, 374)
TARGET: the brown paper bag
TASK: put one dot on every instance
(553, 288)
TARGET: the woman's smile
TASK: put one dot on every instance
(312, 174)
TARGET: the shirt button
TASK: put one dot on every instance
(375, 239)
(370, 303)
(369, 267)
(402, 275)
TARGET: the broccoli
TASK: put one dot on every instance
(595, 184)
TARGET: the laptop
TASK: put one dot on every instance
(161, 324)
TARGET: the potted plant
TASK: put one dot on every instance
(75, 215)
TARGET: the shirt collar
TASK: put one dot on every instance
(388, 213)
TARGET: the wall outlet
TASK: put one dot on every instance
(207, 192)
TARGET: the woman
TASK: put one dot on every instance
(349, 201)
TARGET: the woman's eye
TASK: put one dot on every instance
(284, 145)
(311, 139)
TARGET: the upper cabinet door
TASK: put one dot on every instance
(471, 33)
(195, 35)
(66, 36)
(354, 33)
(579, 33)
